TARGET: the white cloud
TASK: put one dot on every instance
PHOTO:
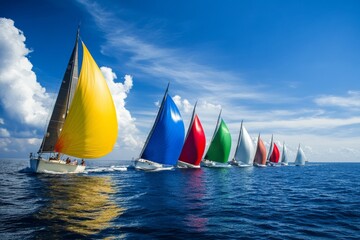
(4, 133)
(128, 133)
(352, 100)
(309, 124)
(183, 105)
(2, 121)
(15, 147)
(21, 96)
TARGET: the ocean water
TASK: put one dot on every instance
(114, 201)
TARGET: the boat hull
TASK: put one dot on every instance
(271, 164)
(40, 165)
(146, 165)
(259, 165)
(239, 164)
(182, 164)
(212, 164)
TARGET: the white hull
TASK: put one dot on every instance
(146, 165)
(270, 164)
(239, 164)
(40, 165)
(284, 164)
(212, 164)
(259, 165)
(186, 165)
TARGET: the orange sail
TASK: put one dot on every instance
(260, 155)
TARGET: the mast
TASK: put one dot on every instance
(63, 101)
(217, 126)
(156, 120)
(191, 121)
(283, 156)
(239, 139)
(75, 78)
(270, 148)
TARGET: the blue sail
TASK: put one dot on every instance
(167, 136)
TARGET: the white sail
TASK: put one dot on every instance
(271, 148)
(300, 157)
(245, 149)
(284, 156)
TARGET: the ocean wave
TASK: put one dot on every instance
(106, 169)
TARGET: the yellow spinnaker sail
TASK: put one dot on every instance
(90, 128)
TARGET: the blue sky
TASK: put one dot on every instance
(288, 68)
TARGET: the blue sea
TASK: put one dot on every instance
(114, 201)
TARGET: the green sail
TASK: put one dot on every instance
(220, 145)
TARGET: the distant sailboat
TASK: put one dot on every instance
(83, 123)
(273, 154)
(300, 157)
(284, 156)
(270, 149)
(260, 155)
(218, 152)
(245, 149)
(194, 145)
(165, 140)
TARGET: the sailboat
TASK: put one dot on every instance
(245, 149)
(260, 155)
(270, 149)
(83, 122)
(284, 156)
(194, 145)
(300, 157)
(165, 140)
(273, 154)
(218, 152)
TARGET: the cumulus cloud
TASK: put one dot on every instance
(11, 147)
(352, 100)
(21, 96)
(128, 133)
(4, 132)
(183, 105)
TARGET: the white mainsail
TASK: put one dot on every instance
(271, 148)
(245, 148)
(284, 155)
(300, 157)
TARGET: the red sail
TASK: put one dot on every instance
(194, 145)
(275, 155)
(260, 156)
